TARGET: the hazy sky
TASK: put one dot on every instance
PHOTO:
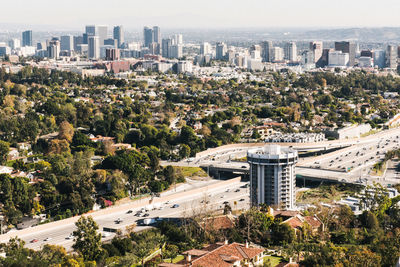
(202, 13)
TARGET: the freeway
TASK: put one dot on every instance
(190, 202)
(351, 164)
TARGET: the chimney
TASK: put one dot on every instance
(247, 244)
(226, 242)
(189, 258)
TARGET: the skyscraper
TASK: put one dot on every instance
(101, 31)
(175, 51)
(78, 40)
(391, 57)
(166, 46)
(347, 47)
(291, 51)
(27, 38)
(272, 176)
(67, 43)
(316, 48)
(178, 39)
(148, 36)
(205, 49)
(277, 54)
(156, 35)
(220, 51)
(380, 58)
(119, 35)
(53, 49)
(90, 30)
(266, 51)
(14, 43)
(94, 47)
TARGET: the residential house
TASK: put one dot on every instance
(221, 255)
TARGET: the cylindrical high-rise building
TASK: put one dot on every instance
(272, 176)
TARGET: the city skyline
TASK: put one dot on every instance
(221, 14)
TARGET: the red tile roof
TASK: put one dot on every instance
(313, 221)
(224, 255)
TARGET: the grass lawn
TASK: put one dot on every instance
(191, 171)
(273, 260)
(177, 259)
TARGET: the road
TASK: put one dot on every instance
(189, 202)
(350, 164)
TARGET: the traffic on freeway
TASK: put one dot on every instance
(236, 195)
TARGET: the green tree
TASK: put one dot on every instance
(170, 251)
(87, 240)
(184, 151)
(4, 149)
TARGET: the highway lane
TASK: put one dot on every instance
(348, 164)
(187, 206)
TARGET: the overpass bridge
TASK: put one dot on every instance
(302, 173)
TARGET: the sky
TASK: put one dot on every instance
(73, 14)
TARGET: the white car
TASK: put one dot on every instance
(47, 239)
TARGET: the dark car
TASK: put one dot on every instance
(242, 199)
(175, 206)
(129, 211)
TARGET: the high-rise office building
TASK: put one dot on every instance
(67, 43)
(317, 49)
(266, 51)
(391, 57)
(78, 40)
(380, 58)
(366, 53)
(94, 47)
(148, 36)
(175, 51)
(14, 43)
(277, 54)
(307, 58)
(41, 46)
(112, 42)
(349, 48)
(156, 35)
(27, 38)
(101, 31)
(118, 34)
(53, 49)
(324, 61)
(90, 30)
(291, 51)
(155, 48)
(112, 54)
(178, 38)
(205, 49)
(220, 51)
(272, 176)
(338, 59)
(166, 46)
